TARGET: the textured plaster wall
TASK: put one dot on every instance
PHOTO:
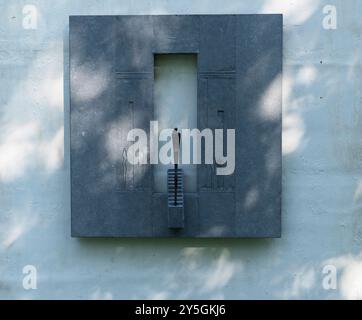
(322, 163)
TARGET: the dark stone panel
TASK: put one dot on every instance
(111, 78)
(134, 41)
(112, 214)
(216, 110)
(217, 43)
(217, 214)
(160, 216)
(92, 40)
(176, 34)
(105, 105)
(133, 101)
(258, 139)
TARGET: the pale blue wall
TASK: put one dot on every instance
(175, 106)
(322, 168)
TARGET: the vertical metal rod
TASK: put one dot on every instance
(175, 195)
(176, 156)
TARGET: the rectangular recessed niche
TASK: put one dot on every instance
(175, 106)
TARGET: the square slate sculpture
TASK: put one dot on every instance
(239, 59)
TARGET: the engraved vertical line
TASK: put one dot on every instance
(131, 106)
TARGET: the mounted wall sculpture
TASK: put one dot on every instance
(239, 72)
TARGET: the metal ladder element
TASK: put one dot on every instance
(175, 188)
